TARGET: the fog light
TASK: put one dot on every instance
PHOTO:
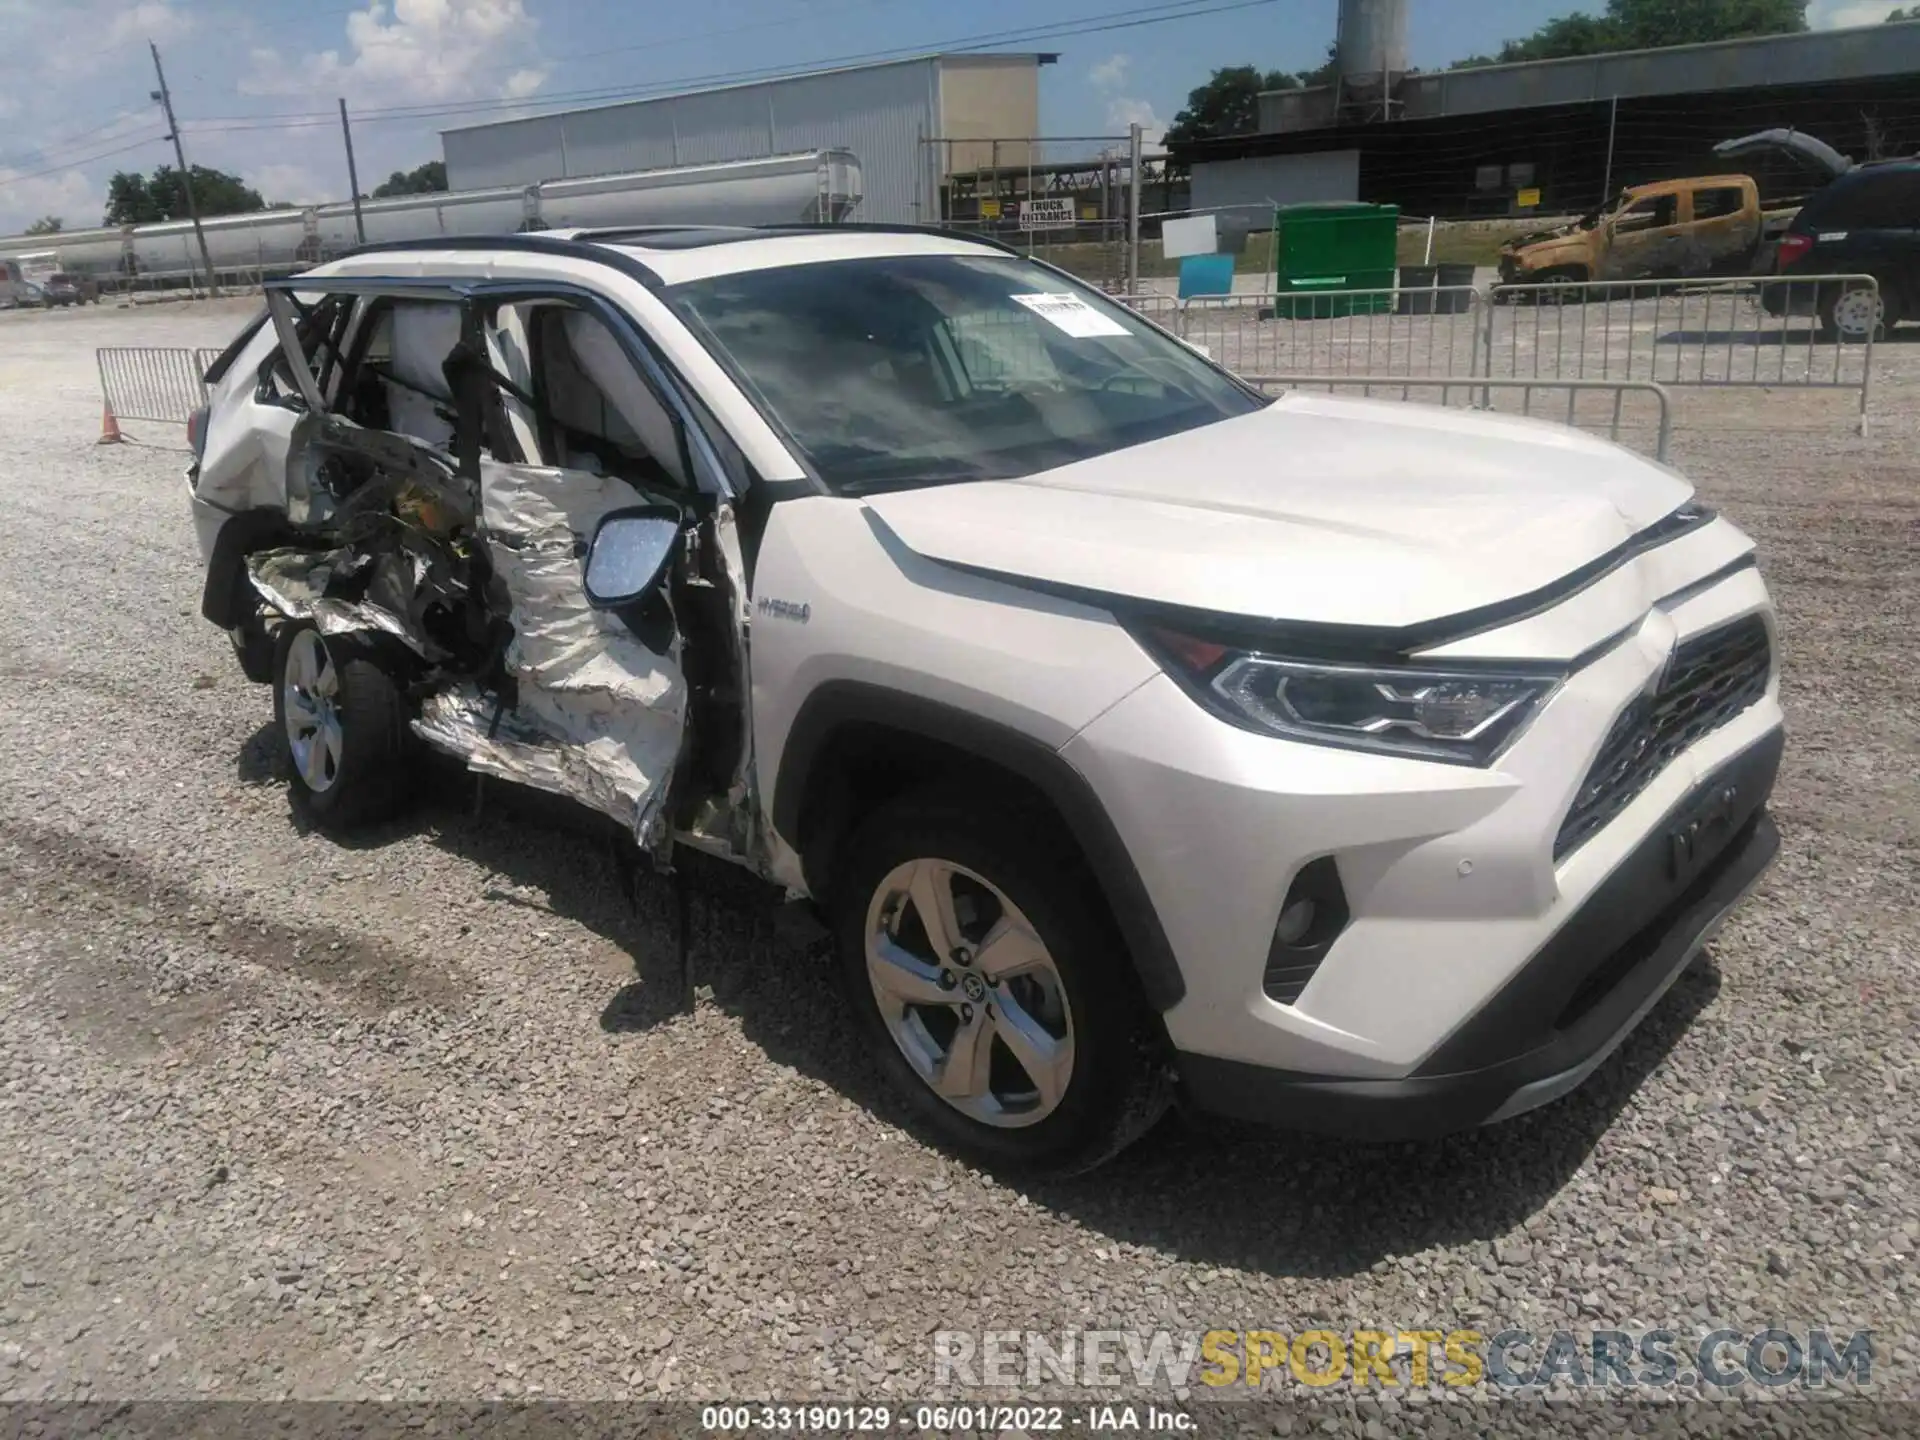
(1295, 921)
(1311, 918)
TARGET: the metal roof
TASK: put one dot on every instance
(1039, 57)
(1809, 57)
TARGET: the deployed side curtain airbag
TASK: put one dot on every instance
(507, 353)
(603, 362)
(423, 336)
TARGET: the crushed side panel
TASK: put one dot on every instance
(599, 714)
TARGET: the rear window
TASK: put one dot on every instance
(1882, 200)
(1710, 204)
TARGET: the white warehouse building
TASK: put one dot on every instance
(886, 114)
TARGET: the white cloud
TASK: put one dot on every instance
(1123, 111)
(523, 83)
(1110, 73)
(281, 183)
(154, 20)
(1833, 14)
(70, 195)
(1109, 77)
(413, 51)
(77, 194)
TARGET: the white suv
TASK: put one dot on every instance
(1350, 765)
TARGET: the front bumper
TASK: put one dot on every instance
(1564, 1011)
(1450, 877)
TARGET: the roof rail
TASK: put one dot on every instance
(526, 244)
(883, 227)
(606, 233)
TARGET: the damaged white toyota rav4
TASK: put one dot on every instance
(1347, 765)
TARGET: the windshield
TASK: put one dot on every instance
(926, 369)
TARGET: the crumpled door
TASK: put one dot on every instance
(1644, 240)
(600, 708)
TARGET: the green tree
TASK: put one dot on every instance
(421, 180)
(136, 199)
(1649, 25)
(47, 225)
(1228, 104)
(1907, 12)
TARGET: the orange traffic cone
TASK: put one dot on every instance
(109, 427)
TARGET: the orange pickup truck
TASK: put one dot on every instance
(1675, 229)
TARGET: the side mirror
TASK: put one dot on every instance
(629, 554)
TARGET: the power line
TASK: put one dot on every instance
(1154, 14)
(996, 37)
(65, 144)
(84, 160)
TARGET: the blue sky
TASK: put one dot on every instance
(255, 83)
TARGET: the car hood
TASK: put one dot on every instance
(1315, 509)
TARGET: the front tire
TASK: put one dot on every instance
(344, 726)
(1560, 286)
(999, 998)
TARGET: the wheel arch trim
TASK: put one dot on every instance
(837, 704)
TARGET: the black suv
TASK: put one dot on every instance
(1864, 221)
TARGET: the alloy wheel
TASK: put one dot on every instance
(311, 687)
(969, 993)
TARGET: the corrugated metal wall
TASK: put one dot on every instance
(879, 112)
(1269, 180)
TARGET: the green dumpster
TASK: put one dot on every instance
(1335, 246)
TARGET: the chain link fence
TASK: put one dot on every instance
(1068, 200)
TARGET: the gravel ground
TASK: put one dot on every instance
(429, 1115)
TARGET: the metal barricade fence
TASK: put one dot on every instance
(1481, 388)
(1760, 332)
(150, 383)
(1161, 308)
(1413, 331)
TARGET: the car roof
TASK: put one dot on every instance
(1689, 182)
(672, 254)
(1904, 165)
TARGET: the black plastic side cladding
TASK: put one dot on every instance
(228, 598)
(844, 702)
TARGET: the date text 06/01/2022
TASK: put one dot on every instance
(1095, 1419)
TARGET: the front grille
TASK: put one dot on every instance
(1711, 679)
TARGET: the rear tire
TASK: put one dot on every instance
(1851, 316)
(344, 725)
(1032, 1023)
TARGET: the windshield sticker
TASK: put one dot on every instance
(1072, 315)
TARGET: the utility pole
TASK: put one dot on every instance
(165, 97)
(1606, 183)
(353, 175)
(1134, 163)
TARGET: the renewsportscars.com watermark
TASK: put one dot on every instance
(1506, 1360)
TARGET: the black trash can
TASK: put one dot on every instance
(1454, 281)
(1416, 290)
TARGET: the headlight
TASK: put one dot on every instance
(1464, 714)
